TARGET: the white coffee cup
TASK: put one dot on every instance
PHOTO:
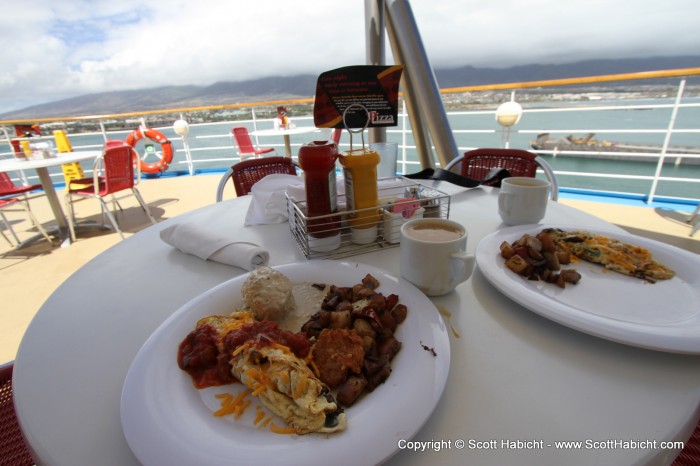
(433, 255)
(523, 200)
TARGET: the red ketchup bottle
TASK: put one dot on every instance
(317, 159)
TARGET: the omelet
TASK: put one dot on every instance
(613, 254)
(286, 386)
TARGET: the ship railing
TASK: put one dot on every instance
(217, 151)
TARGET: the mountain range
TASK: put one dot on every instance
(303, 86)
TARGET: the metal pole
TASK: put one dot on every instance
(422, 82)
(374, 40)
(667, 140)
(420, 130)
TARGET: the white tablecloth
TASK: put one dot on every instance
(514, 375)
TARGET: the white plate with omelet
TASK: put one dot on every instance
(662, 316)
(166, 420)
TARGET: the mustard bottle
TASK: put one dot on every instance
(360, 172)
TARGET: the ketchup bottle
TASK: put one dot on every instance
(317, 159)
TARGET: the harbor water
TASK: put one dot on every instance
(212, 147)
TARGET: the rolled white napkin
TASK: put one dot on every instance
(206, 245)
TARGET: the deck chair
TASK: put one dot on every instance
(13, 448)
(477, 163)
(245, 145)
(248, 172)
(73, 170)
(116, 166)
(15, 198)
(690, 455)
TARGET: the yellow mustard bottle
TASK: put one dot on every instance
(360, 172)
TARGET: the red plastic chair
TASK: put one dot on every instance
(14, 198)
(117, 165)
(477, 163)
(248, 172)
(245, 145)
(13, 448)
(690, 455)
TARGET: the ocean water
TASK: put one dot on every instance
(213, 141)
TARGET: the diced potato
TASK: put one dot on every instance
(546, 240)
(534, 243)
(517, 264)
(552, 260)
(534, 253)
(507, 250)
(539, 258)
(570, 276)
(560, 281)
(564, 257)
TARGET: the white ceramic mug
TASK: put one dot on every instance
(433, 255)
(523, 200)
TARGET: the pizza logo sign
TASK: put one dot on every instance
(377, 119)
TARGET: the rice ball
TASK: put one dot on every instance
(268, 294)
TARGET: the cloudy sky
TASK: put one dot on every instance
(54, 50)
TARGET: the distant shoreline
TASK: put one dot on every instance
(464, 101)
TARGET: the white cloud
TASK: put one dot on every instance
(55, 50)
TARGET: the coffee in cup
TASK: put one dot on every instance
(523, 200)
(433, 255)
(434, 232)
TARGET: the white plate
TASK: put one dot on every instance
(167, 421)
(661, 316)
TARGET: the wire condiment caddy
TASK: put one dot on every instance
(394, 209)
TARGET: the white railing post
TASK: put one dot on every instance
(255, 125)
(667, 140)
(104, 130)
(22, 175)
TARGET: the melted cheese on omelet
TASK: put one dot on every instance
(615, 255)
(288, 388)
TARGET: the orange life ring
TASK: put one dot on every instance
(163, 161)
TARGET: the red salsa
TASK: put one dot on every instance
(265, 333)
(199, 355)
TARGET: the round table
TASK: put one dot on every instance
(514, 376)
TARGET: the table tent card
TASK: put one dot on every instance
(376, 88)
